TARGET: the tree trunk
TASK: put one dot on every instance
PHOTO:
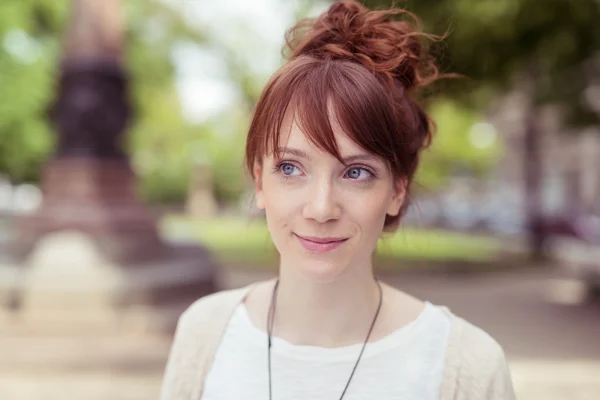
(533, 177)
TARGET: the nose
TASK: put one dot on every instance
(322, 203)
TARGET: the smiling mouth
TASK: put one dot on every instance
(320, 245)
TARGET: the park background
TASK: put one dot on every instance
(504, 226)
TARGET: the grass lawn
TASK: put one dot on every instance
(245, 242)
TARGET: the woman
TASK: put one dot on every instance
(332, 149)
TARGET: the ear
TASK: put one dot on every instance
(260, 200)
(397, 197)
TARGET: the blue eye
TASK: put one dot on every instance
(358, 173)
(287, 169)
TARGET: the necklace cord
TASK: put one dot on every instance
(271, 318)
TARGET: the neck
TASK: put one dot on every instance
(326, 314)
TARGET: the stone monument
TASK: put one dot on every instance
(92, 257)
(89, 292)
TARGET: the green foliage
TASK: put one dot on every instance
(500, 43)
(227, 151)
(166, 151)
(491, 42)
(163, 146)
(29, 48)
(159, 141)
(455, 146)
(30, 36)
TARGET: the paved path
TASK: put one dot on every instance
(553, 345)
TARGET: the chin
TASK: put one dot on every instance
(320, 270)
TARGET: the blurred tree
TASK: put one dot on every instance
(30, 46)
(28, 50)
(31, 34)
(547, 45)
(548, 48)
(163, 145)
(463, 141)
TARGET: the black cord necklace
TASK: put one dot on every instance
(271, 317)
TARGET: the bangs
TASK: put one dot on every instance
(316, 93)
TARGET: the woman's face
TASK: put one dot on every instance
(325, 218)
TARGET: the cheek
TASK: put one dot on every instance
(280, 212)
(370, 211)
(280, 206)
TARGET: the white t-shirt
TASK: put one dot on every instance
(406, 364)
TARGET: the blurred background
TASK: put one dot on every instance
(123, 197)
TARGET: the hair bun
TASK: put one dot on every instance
(349, 31)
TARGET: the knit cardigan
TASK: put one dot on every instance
(475, 366)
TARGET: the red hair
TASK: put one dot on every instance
(362, 66)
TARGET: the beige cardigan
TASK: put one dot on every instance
(475, 367)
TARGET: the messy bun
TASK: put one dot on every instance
(363, 68)
(377, 40)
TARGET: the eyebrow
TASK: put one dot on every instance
(347, 160)
(295, 152)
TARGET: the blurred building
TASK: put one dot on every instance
(571, 177)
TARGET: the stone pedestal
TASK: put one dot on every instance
(91, 259)
(85, 328)
(68, 285)
(95, 196)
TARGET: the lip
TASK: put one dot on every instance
(320, 245)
